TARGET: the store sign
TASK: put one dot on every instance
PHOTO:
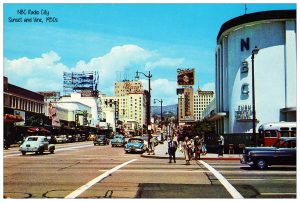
(245, 44)
(185, 77)
(243, 113)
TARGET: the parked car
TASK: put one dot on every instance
(135, 145)
(283, 152)
(118, 140)
(37, 144)
(101, 140)
(61, 139)
(71, 138)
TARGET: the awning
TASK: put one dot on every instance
(9, 118)
(40, 129)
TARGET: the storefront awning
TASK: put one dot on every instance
(40, 129)
(9, 118)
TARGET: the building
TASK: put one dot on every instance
(185, 105)
(22, 107)
(128, 104)
(201, 100)
(84, 102)
(126, 87)
(274, 33)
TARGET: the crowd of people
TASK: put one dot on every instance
(192, 148)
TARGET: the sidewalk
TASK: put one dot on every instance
(162, 149)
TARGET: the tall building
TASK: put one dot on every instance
(201, 101)
(185, 105)
(275, 72)
(129, 102)
(126, 87)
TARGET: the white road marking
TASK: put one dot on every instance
(85, 187)
(269, 194)
(160, 171)
(232, 191)
(241, 179)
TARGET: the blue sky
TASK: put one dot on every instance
(116, 38)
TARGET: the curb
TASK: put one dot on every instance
(202, 158)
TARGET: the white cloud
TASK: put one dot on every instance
(35, 74)
(46, 72)
(162, 89)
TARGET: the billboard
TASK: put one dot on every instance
(185, 77)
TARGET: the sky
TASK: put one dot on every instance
(116, 40)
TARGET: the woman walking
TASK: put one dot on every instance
(187, 149)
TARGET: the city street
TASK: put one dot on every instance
(82, 170)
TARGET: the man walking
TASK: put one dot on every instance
(172, 147)
(221, 145)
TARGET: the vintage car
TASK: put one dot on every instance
(101, 140)
(283, 152)
(135, 145)
(37, 144)
(118, 140)
(61, 139)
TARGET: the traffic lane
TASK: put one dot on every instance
(156, 178)
(56, 175)
(58, 147)
(275, 182)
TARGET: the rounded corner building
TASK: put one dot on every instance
(274, 65)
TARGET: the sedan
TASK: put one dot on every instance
(135, 145)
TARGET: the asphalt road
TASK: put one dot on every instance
(82, 170)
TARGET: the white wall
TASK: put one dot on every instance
(275, 88)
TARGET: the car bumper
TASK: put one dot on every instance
(117, 144)
(243, 161)
(133, 149)
(28, 149)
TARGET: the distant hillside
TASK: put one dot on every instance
(155, 110)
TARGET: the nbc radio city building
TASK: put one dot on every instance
(274, 34)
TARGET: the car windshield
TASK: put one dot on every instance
(136, 140)
(101, 137)
(32, 139)
(118, 136)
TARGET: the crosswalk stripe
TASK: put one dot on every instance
(232, 191)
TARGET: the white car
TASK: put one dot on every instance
(37, 144)
(61, 139)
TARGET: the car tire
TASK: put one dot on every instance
(51, 151)
(41, 151)
(23, 152)
(261, 164)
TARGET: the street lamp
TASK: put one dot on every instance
(149, 104)
(161, 102)
(254, 52)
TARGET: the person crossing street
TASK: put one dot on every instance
(172, 147)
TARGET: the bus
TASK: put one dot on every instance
(270, 132)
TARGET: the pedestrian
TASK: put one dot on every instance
(152, 143)
(187, 149)
(203, 148)
(221, 145)
(172, 147)
(197, 146)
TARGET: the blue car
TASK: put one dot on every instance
(135, 145)
(118, 140)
